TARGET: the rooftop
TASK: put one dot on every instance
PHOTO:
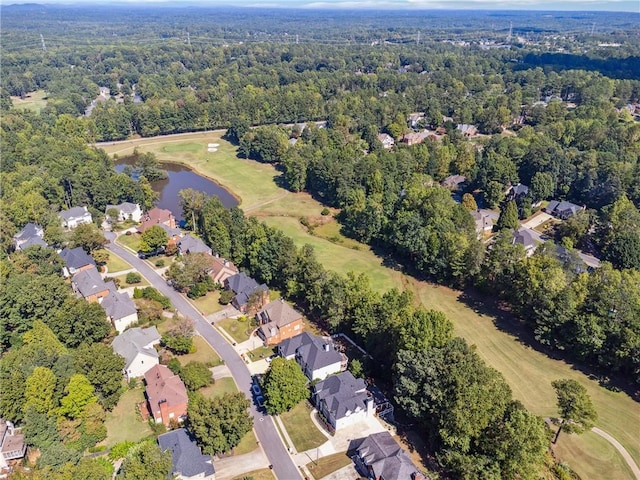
(187, 458)
(134, 341)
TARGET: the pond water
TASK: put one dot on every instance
(179, 178)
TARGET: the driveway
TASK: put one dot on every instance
(277, 455)
(538, 219)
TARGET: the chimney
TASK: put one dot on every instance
(325, 347)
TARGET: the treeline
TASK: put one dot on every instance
(387, 200)
(470, 416)
(203, 87)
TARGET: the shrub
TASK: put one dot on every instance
(198, 290)
(160, 263)
(225, 297)
(153, 294)
(137, 292)
(133, 383)
(174, 365)
(120, 450)
(133, 277)
(325, 211)
(196, 375)
(171, 250)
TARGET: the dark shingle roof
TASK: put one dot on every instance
(189, 244)
(383, 454)
(134, 341)
(30, 230)
(243, 286)
(288, 347)
(188, 460)
(342, 393)
(318, 354)
(76, 257)
(89, 282)
(118, 305)
(33, 241)
(74, 212)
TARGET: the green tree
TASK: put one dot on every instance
(190, 270)
(103, 368)
(39, 390)
(469, 202)
(80, 393)
(219, 424)
(542, 186)
(356, 368)
(577, 412)
(87, 236)
(284, 386)
(80, 322)
(146, 461)
(509, 216)
(195, 375)
(153, 238)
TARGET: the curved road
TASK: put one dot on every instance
(623, 451)
(283, 465)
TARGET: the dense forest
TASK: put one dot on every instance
(551, 113)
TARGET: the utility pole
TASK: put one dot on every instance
(188, 39)
(297, 39)
(418, 39)
(44, 47)
(510, 32)
(593, 28)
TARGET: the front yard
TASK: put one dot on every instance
(123, 282)
(303, 432)
(219, 388)
(115, 263)
(260, 353)
(262, 474)
(208, 304)
(238, 329)
(329, 464)
(124, 422)
(130, 241)
(204, 353)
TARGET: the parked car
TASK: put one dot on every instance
(153, 253)
(255, 388)
(260, 401)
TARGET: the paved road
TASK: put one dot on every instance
(283, 465)
(623, 451)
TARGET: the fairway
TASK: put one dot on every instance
(528, 371)
(34, 101)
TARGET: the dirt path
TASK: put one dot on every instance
(623, 451)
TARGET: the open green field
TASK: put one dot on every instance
(35, 101)
(124, 423)
(301, 429)
(239, 330)
(116, 264)
(219, 388)
(528, 372)
(208, 304)
(329, 464)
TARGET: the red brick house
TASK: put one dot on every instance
(166, 395)
(157, 216)
(278, 321)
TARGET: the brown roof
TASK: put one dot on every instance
(156, 216)
(164, 386)
(276, 315)
(221, 269)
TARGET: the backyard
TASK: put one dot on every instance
(124, 422)
(303, 432)
(528, 371)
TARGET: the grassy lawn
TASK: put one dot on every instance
(262, 474)
(528, 372)
(223, 385)
(239, 330)
(35, 101)
(204, 353)
(247, 445)
(124, 423)
(303, 432)
(328, 464)
(130, 241)
(209, 303)
(123, 282)
(116, 264)
(260, 353)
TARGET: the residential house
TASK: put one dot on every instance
(380, 457)
(76, 260)
(278, 321)
(484, 223)
(342, 400)
(190, 244)
(414, 138)
(136, 347)
(386, 140)
(563, 209)
(413, 119)
(127, 211)
(88, 284)
(157, 216)
(187, 460)
(527, 238)
(75, 216)
(454, 182)
(221, 269)
(31, 234)
(515, 192)
(467, 130)
(317, 356)
(12, 443)
(167, 398)
(249, 295)
(120, 310)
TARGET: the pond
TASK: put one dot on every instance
(179, 178)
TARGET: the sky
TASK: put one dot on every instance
(576, 5)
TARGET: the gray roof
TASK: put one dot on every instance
(563, 208)
(524, 237)
(118, 305)
(171, 232)
(76, 257)
(29, 231)
(519, 190)
(342, 393)
(387, 459)
(318, 353)
(32, 241)
(74, 212)
(243, 286)
(187, 459)
(125, 207)
(275, 315)
(288, 347)
(89, 282)
(189, 244)
(134, 341)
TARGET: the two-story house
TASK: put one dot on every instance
(167, 398)
(120, 310)
(31, 234)
(88, 284)
(278, 321)
(379, 457)
(342, 400)
(136, 347)
(76, 260)
(317, 356)
(75, 216)
(249, 296)
(126, 211)
(187, 460)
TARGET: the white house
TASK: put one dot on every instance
(120, 309)
(75, 216)
(136, 347)
(343, 400)
(126, 211)
(31, 234)
(317, 356)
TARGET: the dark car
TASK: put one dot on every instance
(152, 253)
